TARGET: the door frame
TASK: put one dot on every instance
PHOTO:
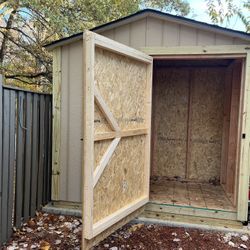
(224, 52)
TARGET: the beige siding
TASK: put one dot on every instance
(138, 34)
(188, 36)
(71, 122)
(238, 41)
(171, 34)
(154, 32)
(205, 38)
(109, 33)
(223, 40)
(122, 34)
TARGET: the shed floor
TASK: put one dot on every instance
(193, 194)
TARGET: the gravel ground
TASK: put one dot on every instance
(48, 231)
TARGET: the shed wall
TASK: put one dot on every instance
(71, 123)
(149, 32)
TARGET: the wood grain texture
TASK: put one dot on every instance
(122, 83)
(105, 160)
(171, 92)
(123, 178)
(243, 185)
(88, 133)
(233, 130)
(207, 122)
(190, 194)
(56, 123)
(120, 80)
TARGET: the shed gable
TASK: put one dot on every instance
(151, 31)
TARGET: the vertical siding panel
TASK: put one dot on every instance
(65, 89)
(1, 147)
(122, 34)
(205, 38)
(188, 36)
(28, 147)
(171, 34)
(223, 40)
(20, 159)
(5, 174)
(154, 32)
(238, 41)
(75, 125)
(41, 153)
(34, 161)
(109, 33)
(138, 34)
(11, 160)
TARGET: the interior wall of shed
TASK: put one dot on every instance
(195, 130)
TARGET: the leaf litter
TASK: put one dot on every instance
(50, 231)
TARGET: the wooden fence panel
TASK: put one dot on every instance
(25, 159)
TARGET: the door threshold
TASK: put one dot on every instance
(189, 221)
(193, 211)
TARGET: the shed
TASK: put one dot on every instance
(152, 109)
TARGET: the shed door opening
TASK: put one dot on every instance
(195, 133)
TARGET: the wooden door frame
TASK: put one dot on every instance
(90, 97)
(223, 52)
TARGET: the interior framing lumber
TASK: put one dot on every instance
(106, 111)
(243, 184)
(105, 159)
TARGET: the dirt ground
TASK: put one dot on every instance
(48, 231)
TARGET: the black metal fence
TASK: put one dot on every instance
(25, 155)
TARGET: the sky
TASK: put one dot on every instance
(199, 9)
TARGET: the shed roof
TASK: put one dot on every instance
(156, 14)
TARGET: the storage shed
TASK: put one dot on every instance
(153, 110)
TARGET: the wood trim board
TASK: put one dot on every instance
(56, 123)
(243, 184)
(105, 110)
(105, 159)
(214, 51)
(88, 133)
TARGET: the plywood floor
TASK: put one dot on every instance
(201, 195)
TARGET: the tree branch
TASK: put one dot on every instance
(5, 36)
(31, 75)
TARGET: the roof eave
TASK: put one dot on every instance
(157, 14)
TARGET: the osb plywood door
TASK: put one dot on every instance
(117, 117)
